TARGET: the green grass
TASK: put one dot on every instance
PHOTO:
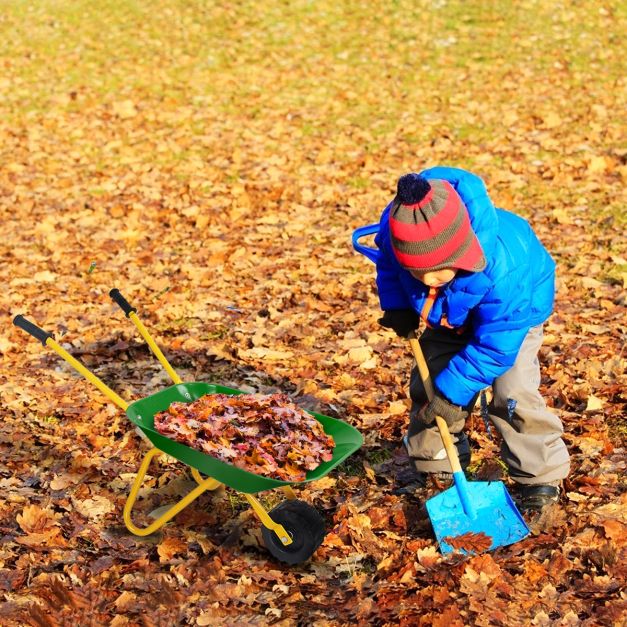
(311, 53)
(394, 80)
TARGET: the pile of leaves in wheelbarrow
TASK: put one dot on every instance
(264, 434)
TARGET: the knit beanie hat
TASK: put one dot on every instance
(430, 228)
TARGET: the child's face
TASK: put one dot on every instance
(437, 278)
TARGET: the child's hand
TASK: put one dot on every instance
(401, 321)
(439, 406)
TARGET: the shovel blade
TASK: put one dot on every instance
(497, 521)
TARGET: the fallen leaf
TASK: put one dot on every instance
(60, 482)
(469, 542)
(360, 354)
(169, 547)
(599, 165)
(265, 354)
(36, 519)
(615, 531)
(428, 557)
(595, 329)
(397, 408)
(590, 283)
(125, 600)
(594, 403)
(562, 216)
(552, 120)
(94, 508)
(124, 109)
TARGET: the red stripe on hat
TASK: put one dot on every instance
(439, 255)
(472, 257)
(435, 225)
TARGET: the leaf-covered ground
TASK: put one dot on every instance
(211, 159)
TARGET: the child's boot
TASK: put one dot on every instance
(534, 498)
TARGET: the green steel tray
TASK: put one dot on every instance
(142, 413)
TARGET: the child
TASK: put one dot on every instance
(484, 285)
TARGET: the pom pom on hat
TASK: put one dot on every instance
(430, 227)
(412, 188)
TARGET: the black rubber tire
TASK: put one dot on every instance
(305, 526)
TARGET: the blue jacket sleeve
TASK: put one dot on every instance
(500, 324)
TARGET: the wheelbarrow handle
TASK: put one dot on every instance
(122, 302)
(39, 334)
(128, 310)
(425, 375)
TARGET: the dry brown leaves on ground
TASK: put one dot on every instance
(211, 161)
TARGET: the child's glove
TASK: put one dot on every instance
(439, 406)
(401, 321)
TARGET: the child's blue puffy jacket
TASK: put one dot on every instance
(499, 305)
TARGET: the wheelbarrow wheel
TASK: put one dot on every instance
(305, 527)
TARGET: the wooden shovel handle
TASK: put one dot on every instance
(425, 375)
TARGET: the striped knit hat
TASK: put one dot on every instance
(430, 228)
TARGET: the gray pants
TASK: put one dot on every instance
(532, 446)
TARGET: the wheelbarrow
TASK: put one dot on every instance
(291, 531)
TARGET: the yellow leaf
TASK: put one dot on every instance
(562, 216)
(594, 403)
(596, 329)
(202, 221)
(327, 395)
(409, 576)
(341, 360)
(396, 408)
(124, 109)
(386, 562)
(598, 165)
(325, 483)
(266, 354)
(360, 354)
(552, 120)
(94, 508)
(369, 364)
(353, 342)
(345, 380)
(205, 618)
(45, 276)
(6, 345)
(369, 471)
(589, 282)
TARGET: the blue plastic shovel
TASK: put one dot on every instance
(469, 517)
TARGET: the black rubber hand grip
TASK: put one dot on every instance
(122, 302)
(39, 334)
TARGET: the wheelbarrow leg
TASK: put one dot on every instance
(204, 485)
(199, 480)
(266, 521)
(289, 493)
